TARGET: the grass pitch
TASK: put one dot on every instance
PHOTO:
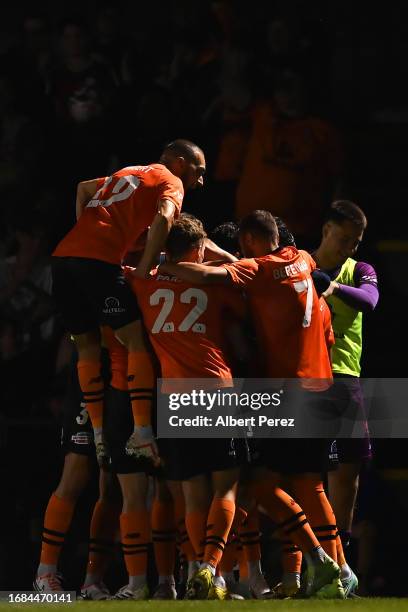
(312, 605)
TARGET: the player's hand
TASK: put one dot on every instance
(165, 267)
(142, 445)
(330, 289)
(141, 272)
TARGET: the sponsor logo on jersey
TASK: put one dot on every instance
(333, 455)
(112, 306)
(82, 437)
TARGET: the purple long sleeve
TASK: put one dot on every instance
(364, 296)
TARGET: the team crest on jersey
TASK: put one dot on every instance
(112, 306)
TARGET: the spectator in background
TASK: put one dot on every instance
(29, 62)
(233, 126)
(195, 71)
(109, 37)
(83, 90)
(21, 147)
(293, 163)
(27, 322)
(146, 104)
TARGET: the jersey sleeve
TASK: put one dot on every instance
(364, 274)
(171, 188)
(309, 259)
(364, 296)
(242, 272)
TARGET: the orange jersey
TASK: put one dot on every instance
(286, 313)
(186, 325)
(120, 211)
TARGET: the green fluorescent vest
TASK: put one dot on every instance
(347, 326)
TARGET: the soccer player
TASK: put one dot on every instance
(289, 328)
(304, 480)
(79, 452)
(186, 328)
(226, 237)
(352, 293)
(132, 475)
(89, 285)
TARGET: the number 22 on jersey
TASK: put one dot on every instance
(190, 321)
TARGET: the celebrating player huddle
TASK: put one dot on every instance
(201, 314)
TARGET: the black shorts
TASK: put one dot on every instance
(348, 401)
(291, 456)
(185, 458)
(285, 453)
(118, 427)
(77, 433)
(90, 293)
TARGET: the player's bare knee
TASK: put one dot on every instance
(225, 483)
(162, 492)
(197, 493)
(131, 336)
(75, 476)
(88, 345)
(134, 491)
(109, 489)
(346, 476)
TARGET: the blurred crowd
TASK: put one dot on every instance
(292, 103)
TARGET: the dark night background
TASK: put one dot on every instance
(88, 88)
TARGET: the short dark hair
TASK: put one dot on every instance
(260, 223)
(226, 236)
(345, 210)
(286, 238)
(182, 148)
(185, 234)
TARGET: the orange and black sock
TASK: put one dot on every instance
(57, 520)
(196, 522)
(229, 557)
(118, 356)
(92, 387)
(310, 494)
(135, 536)
(141, 382)
(183, 541)
(250, 536)
(291, 557)
(164, 537)
(220, 519)
(104, 525)
(287, 514)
